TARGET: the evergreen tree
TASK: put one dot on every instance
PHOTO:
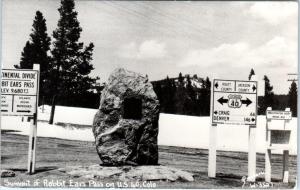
(189, 87)
(292, 101)
(251, 73)
(70, 58)
(180, 96)
(168, 96)
(268, 100)
(180, 78)
(207, 84)
(36, 52)
(205, 97)
(191, 98)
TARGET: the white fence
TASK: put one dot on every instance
(191, 131)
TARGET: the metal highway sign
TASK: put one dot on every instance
(234, 102)
(19, 92)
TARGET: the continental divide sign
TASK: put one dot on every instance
(19, 92)
(234, 102)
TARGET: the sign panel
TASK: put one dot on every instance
(234, 102)
(19, 92)
(279, 115)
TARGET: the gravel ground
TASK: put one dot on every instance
(55, 153)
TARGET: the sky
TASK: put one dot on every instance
(221, 40)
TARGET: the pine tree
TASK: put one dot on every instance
(36, 52)
(190, 105)
(268, 100)
(251, 73)
(207, 84)
(189, 86)
(180, 78)
(292, 101)
(70, 58)
(180, 96)
(205, 97)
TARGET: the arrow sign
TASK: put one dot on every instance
(247, 102)
(216, 85)
(222, 100)
(234, 102)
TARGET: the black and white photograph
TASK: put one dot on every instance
(149, 94)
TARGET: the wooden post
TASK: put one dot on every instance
(268, 166)
(212, 154)
(285, 172)
(285, 160)
(51, 119)
(251, 147)
(251, 154)
(212, 149)
(268, 153)
(33, 131)
(32, 145)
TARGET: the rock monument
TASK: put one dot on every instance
(126, 124)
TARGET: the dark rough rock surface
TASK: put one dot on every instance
(7, 173)
(124, 136)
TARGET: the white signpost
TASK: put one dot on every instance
(19, 97)
(277, 138)
(233, 102)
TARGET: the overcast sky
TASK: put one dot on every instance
(215, 39)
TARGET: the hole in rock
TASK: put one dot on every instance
(132, 108)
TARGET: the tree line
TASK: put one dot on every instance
(179, 96)
(184, 95)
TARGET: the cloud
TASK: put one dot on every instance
(225, 53)
(273, 12)
(277, 52)
(147, 50)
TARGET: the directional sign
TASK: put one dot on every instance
(234, 102)
(279, 115)
(19, 92)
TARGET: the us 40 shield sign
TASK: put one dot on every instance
(234, 102)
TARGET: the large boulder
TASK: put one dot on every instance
(126, 125)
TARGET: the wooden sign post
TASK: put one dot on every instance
(251, 153)
(277, 138)
(19, 97)
(233, 103)
(33, 131)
